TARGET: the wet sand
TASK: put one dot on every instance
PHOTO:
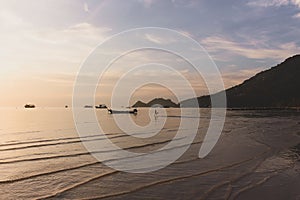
(257, 157)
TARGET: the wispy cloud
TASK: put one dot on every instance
(85, 7)
(58, 79)
(187, 33)
(234, 75)
(147, 3)
(43, 43)
(159, 40)
(47, 46)
(277, 3)
(223, 47)
(297, 15)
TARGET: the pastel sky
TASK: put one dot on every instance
(44, 42)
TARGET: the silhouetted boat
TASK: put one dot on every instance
(111, 111)
(101, 106)
(29, 106)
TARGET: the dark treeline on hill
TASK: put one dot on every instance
(158, 102)
(277, 87)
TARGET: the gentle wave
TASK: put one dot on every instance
(79, 139)
(71, 155)
(47, 173)
(7, 161)
(236, 164)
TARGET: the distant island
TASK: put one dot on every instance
(157, 102)
(277, 87)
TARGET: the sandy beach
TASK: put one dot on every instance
(257, 157)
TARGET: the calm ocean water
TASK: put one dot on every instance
(256, 157)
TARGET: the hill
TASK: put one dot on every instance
(140, 104)
(278, 87)
(157, 102)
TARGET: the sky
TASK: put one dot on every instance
(43, 43)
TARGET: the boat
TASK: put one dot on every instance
(29, 106)
(101, 106)
(111, 111)
(88, 106)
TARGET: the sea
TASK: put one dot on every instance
(42, 156)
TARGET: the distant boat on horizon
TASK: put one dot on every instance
(101, 106)
(88, 106)
(113, 111)
(29, 106)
